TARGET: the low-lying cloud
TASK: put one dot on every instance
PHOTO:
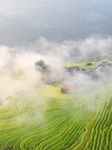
(73, 51)
(53, 53)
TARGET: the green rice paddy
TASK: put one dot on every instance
(38, 120)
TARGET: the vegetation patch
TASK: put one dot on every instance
(82, 65)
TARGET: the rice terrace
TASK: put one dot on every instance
(55, 74)
(51, 116)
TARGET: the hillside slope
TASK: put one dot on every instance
(39, 122)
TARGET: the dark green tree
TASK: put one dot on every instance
(42, 67)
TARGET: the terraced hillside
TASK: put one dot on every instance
(37, 120)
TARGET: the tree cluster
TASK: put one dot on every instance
(41, 66)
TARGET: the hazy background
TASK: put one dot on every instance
(24, 21)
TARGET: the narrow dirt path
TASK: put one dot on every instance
(6, 97)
